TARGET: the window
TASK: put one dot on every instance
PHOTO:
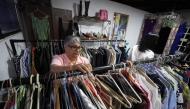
(184, 40)
(8, 18)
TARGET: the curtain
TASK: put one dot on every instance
(8, 17)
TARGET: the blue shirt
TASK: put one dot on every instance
(168, 99)
(169, 102)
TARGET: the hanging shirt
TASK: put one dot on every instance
(148, 26)
(171, 104)
(26, 62)
(136, 55)
(64, 60)
(179, 95)
(168, 22)
(88, 104)
(179, 34)
(41, 27)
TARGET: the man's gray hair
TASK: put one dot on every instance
(70, 39)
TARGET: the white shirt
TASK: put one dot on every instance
(156, 103)
(87, 102)
(136, 55)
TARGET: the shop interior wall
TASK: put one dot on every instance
(134, 24)
(136, 16)
(7, 69)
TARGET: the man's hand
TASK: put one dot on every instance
(85, 68)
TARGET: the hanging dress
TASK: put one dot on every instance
(41, 27)
(148, 26)
(179, 34)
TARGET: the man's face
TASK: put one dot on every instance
(73, 49)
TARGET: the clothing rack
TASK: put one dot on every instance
(12, 41)
(167, 14)
(165, 58)
(50, 76)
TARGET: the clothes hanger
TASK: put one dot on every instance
(2, 84)
(133, 67)
(9, 94)
(128, 105)
(126, 87)
(37, 10)
(130, 65)
(33, 89)
(139, 99)
(16, 92)
(88, 92)
(64, 14)
(116, 46)
(100, 48)
(62, 99)
(98, 98)
(29, 45)
(39, 87)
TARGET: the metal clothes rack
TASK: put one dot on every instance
(167, 14)
(165, 58)
(12, 41)
(50, 76)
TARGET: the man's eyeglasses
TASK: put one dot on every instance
(75, 48)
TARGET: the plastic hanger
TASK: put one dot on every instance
(16, 92)
(31, 79)
(128, 105)
(64, 14)
(28, 44)
(133, 67)
(37, 79)
(39, 11)
(4, 91)
(100, 48)
(99, 98)
(39, 86)
(139, 99)
(9, 96)
(33, 89)
(116, 47)
(2, 84)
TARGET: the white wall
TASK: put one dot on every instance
(7, 69)
(135, 15)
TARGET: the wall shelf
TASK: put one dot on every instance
(92, 19)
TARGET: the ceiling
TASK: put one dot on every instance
(157, 6)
